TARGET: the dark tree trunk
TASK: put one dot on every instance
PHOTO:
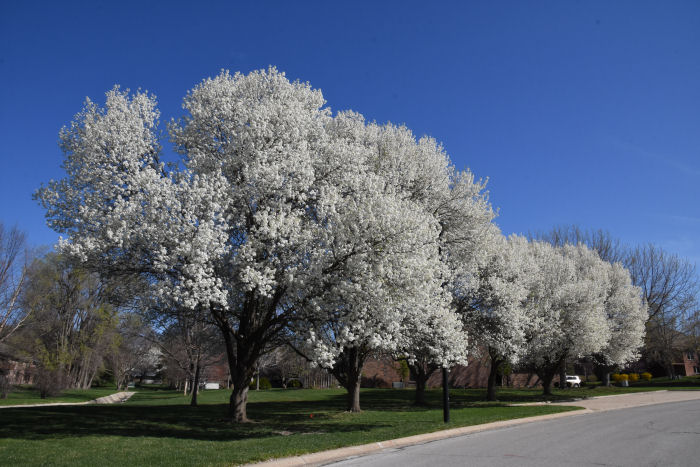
(670, 371)
(493, 374)
(354, 396)
(195, 384)
(562, 375)
(190, 376)
(445, 396)
(602, 371)
(547, 384)
(259, 323)
(237, 408)
(348, 372)
(421, 381)
(546, 374)
(238, 403)
(241, 373)
(422, 372)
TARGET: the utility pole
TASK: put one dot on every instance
(445, 397)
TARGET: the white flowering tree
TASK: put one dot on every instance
(384, 298)
(627, 314)
(566, 304)
(495, 310)
(240, 231)
(435, 338)
(277, 214)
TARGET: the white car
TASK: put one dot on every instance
(573, 381)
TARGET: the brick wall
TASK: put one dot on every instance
(380, 373)
(476, 375)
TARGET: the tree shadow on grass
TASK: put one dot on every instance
(206, 422)
(167, 415)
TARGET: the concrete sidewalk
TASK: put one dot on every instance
(591, 405)
(624, 401)
(111, 399)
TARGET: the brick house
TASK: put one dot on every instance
(15, 370)
(382, 372)
(687, 363)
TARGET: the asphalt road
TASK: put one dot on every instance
(655, 435)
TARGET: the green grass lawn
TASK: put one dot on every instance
(157, 427)
(28, 395)
(685, 382)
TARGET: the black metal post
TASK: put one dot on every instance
(445, 397)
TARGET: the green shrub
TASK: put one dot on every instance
(104, 379)
(404, 370)
(294, 384)
(646, 376)
(634, 377)
(264, 384)
(591, 378)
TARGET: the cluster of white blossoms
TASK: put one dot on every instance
(282, 216)
(580, 305)
(534, 304)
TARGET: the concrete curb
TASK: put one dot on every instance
(588, 405)
(324, 457)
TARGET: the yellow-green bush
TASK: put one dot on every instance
(634, 377)
(619, 377)
(646, 376)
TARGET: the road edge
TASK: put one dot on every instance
(324, 457)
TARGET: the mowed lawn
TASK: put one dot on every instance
(158, 427)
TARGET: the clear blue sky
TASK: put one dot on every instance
(577, 112)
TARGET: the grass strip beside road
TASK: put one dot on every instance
(159, 428)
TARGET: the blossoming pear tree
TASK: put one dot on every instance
(393, 288)
(566, 304)
(495, 310)
(238, 231)
(627, 314)
(277, 214)
(459, 205)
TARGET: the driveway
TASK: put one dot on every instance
(625, 401)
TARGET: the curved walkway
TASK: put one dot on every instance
(111, 399)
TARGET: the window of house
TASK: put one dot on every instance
(690, 355)
(697, 370)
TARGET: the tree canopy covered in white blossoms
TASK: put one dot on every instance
(575, 305)
(282, 219)
(493, 307)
